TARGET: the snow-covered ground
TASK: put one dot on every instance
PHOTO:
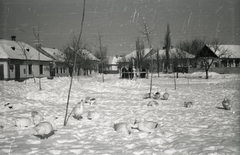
(204, 128)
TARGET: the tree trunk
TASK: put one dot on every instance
(74, 64)
(206, 73)
(166, 67)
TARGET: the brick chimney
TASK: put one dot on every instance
(13, 38)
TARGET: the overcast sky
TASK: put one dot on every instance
(119, 21)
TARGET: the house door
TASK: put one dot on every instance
(17, 72)
(1, 72)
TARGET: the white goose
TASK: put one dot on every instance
(78, 110)
(36, 117)
(93, 115)
(226, 104)
(123, 128)
(23, 122)
(44, 130)
(145, 126)
(156, 95)
(164, 95)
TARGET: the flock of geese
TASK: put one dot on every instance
(141, 124)
(44, 129)
(151, 126)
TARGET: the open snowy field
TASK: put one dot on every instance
(204, 128)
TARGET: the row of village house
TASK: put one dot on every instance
(225, 60)
(19, 61)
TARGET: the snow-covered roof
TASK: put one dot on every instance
(232, 51)
(173, 52)
(133, 54)
(90, 55)
(53, 52)
(84, 51)
(114, 59)
(15, 50)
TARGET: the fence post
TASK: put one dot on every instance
(175, 85)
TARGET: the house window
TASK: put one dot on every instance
(30, 69)
(40, 69)
(56, 69)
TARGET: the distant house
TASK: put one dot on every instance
(226, 58)
(58, 67)
(231, 57)
(86, 66)
(134, 60)
(20, 61)
(112, 66)
(177, 58)
(134, 54)
(128, 59)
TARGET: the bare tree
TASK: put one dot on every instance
(37, 36)
(147, 35)
(69, 57)
(76, 49)
(26, 55)
(179, 57)
(158, 59)
(101, 53)
(207, 58)
(192, 46)
(167, 45)
(82, 56)
(139, 60)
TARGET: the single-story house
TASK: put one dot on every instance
(134, 60)
(134, 53)
(20, 61)
(86, 63)
(132, 57)
(229, 56)
(112, 66)
(177, 58)
(58, 67)
(226, 58)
